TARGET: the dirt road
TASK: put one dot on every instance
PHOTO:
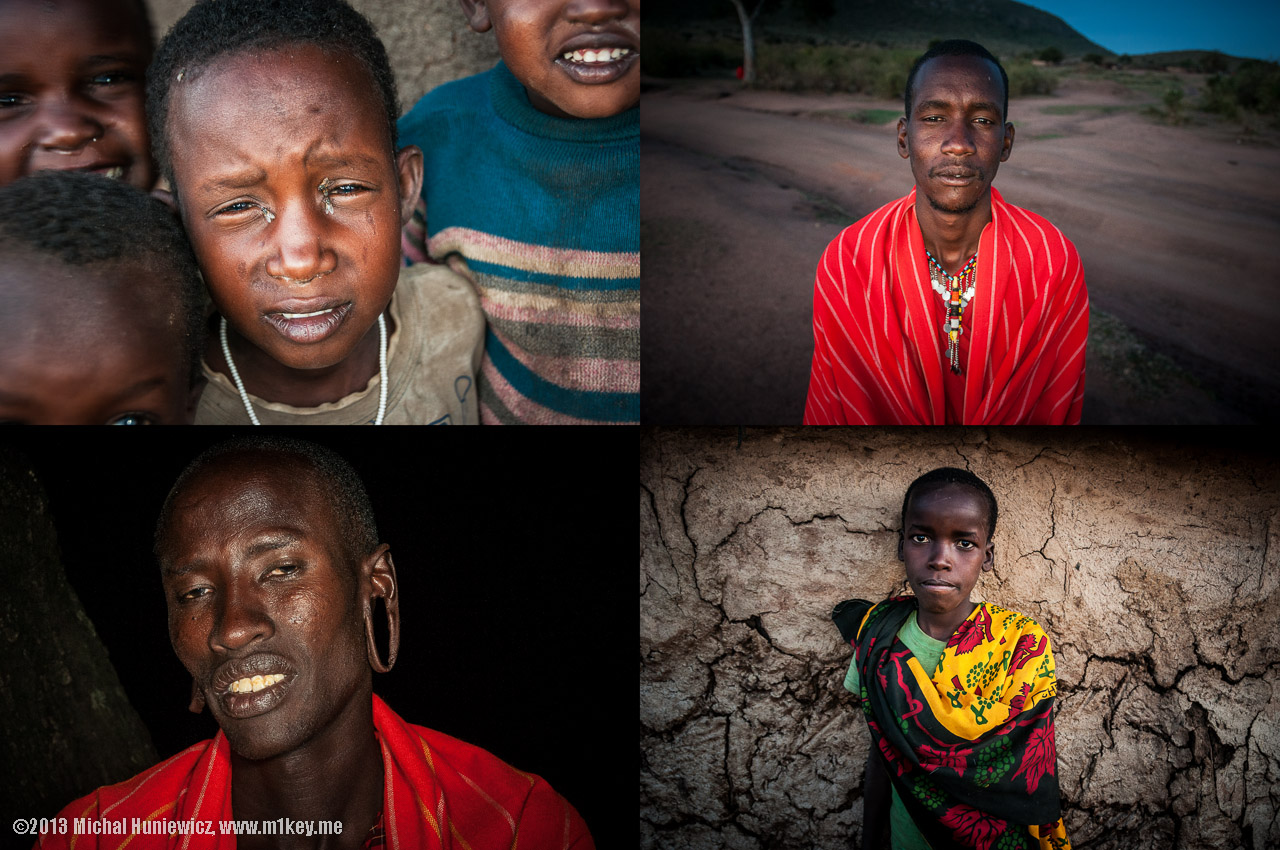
(1178, 227)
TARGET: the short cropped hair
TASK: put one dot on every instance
(212, 29)
(78, 219)
(338, 480)
(956, 47)
(952, 475)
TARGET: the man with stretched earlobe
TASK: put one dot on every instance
(272, 568)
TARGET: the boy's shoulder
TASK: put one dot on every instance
(1007, 620)
(467, 92)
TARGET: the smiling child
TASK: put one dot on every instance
(71, 88)
(274, 122)
(104, 310)
(958, 695)
(532, 176)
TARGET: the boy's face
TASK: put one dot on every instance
(575, 58)
(944, 545)
(291, 195)
(72, 77)
(73, 351)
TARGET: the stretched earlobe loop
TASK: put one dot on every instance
(196, 705)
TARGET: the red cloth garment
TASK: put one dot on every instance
(439, 793)
(879, 352)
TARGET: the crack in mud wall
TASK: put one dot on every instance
(1153, 565)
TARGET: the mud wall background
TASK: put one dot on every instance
(1152, 561)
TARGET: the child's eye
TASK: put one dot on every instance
(110, 78)
(919, 538)
(965, 544)
(239, 207)
(132, 419)
(8, 100)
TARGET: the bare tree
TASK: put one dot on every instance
(748, 40)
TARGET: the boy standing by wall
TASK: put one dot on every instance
(532, 177)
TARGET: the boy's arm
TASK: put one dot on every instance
(875, 803)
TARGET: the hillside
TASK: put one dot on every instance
(1003, 26)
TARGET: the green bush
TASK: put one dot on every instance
(668, 54)
(1051, 54)
(1026, 79)
(833, 68)
(1254, 87)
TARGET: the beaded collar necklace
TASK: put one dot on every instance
(956, 293)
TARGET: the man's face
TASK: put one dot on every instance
(575, 58)
(292, 198)
(944, 545)
(258, 584)
(956, 136)
(72, 76)
(91, 345)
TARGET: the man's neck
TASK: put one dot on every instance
(952, 238)
(337, 775)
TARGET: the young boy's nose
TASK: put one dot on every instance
(66, 129)
(597, 11)
(300, 253)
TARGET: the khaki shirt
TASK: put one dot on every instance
(432, 358)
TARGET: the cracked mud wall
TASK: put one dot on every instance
(1152, 562)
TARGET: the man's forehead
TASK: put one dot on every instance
(249, 488)
(957, 73)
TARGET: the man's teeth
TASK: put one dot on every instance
(307, 315)
(607, 54)
(255, 683)
(115, 172)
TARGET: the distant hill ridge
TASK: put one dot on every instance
(1005, 27)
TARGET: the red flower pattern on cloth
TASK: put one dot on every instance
(973, 828)
(931, 759)
(1025, 650)
(972, 633)
(1039, 757)
(1020, 701)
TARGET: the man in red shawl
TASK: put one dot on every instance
(950, 306)
(271, 566)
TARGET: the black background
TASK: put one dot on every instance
(514, 553)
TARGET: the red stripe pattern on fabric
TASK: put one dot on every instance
(879, 354)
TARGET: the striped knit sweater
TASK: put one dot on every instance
(546, 213)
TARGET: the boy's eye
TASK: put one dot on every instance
(965, 544)
(238, 207)
(110, 78)
(919, 538)
(9, 100)
(132, 419)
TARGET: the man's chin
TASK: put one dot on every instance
(954, 206)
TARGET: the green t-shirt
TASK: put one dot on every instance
(905, 834)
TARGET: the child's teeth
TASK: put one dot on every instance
(608, 54)
(305, 315)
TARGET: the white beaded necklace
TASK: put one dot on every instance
(382, 371)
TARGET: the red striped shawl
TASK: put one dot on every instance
(879, 352)
(439, 793)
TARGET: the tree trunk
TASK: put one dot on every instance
(748, 40)
(68, 726)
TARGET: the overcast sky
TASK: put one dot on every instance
(1237, 27)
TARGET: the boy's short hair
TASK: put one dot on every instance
(215, 28)
(952, 475)
(79, 219)
(955, 47)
